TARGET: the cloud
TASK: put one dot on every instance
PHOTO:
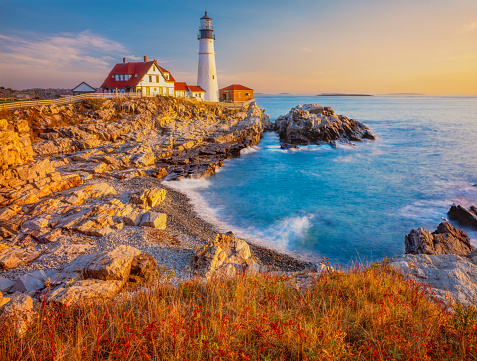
(30, 60)
(470, 27)
(306, 50)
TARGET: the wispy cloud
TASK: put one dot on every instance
(470, 27)
(59, 60)
(306, 50)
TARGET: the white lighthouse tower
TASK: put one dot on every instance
(207, 74)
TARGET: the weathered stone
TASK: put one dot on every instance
(445, 240)
(133, 218)
(446, 274)
(18, 312)
(143, 268)
(84, 291)
(28, 283)
(154, 220)
(14, 256)
(150, 197)
(160, 173)
(36, 223)
(226, 256)
(113, 265)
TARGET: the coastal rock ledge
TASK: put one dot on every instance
(312, 123)
(444, 260)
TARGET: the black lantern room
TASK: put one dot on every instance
(206, 28)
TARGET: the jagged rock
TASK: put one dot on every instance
(16, 148)
(9, 212)
(143, 268)
(150, 197)
(446, 274)
(36, 223)
(464, 215)
(12, 257)
(85, 290)
(113, 265)
(154, 220)
(445, 240)
(312, 123)
(32, 281)
(160, 173)
(225, 256)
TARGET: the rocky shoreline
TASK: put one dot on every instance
(84, 208)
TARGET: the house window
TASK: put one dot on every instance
(166, 76)
(150, 78)
(247, 94)
(157, 78)
(117, 77)
(213, 76)
(240, 94)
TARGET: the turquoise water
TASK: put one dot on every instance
(354, 202)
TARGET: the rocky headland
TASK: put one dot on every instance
(312, 123)
(84, 211)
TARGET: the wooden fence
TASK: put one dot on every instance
(77, 98)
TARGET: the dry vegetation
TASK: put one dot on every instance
(364, 314)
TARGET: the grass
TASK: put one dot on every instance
(364, 314)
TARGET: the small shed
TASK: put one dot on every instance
(236, 93)
(83, 88)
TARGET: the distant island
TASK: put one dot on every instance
(343, 95)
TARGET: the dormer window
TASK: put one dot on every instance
(117, 77)
(166, 76)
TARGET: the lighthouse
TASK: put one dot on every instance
(207, 74)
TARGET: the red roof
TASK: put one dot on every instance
(197, 89)
(131, 68)
(236, 87)
(180, 86)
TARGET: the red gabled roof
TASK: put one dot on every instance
(197, 89)
(140, 69)
(180, 86)
(236, 87)
(131, 68)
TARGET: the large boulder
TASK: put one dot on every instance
(464, 215)
(112, 265)
(150, 197)
(225, 256)
(451, 277)
(154, 220)
(18, 312)
(85, 290)
(445, 240)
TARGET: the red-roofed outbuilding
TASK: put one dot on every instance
(236, 93)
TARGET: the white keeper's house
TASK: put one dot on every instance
(147, 78)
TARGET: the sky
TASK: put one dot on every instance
(272, 46)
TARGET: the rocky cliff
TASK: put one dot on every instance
(312, 123)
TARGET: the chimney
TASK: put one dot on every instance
(124, 60)
(145, 58)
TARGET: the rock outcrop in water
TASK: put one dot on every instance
(312, 123)
(444, 260)
(464, 215)
(445, 240)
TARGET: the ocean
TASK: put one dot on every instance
(355, 202)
